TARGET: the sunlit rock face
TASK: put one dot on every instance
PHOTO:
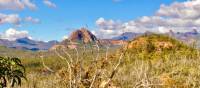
(82, 35)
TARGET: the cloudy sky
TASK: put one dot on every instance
(54, 19)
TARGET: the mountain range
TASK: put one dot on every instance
(84, 36)
(187, 37)
(27, 44)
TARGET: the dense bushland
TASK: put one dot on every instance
(154, 61)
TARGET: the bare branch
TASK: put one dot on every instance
(69, 67)
(71, 59)
(107, 52)
(45, 66)
(113, 73)
(77, 55)
(97, 52)
(93, 80)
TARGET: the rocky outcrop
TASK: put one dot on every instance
(82, 35)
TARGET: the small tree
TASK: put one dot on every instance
(11, 72)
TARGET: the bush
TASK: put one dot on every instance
(11, 72)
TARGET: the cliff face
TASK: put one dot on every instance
(82, 35)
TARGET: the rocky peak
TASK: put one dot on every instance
(82, 35)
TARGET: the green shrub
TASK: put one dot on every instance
(11, 72)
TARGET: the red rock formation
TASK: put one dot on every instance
(82, 35)
(85, 36)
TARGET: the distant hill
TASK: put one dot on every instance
(156, 45)
(83, 35)
(27, 44)
(187, 37)
(127, 36)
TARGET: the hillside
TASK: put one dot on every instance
(156, 45)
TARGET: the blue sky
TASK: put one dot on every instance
(73, 14)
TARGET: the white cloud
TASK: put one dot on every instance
(16, 20)
(13, 34)
(108, 28)
(93, 32)
(29, 4)
(16, 4)
(65, 37)
(11, 4)
(11, 19)
(108, 24)
(100, 21)
(179, 17)
(32, 20)
(49, 3)
(187, 10)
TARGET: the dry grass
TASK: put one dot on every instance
(95, 67)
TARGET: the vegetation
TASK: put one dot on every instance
(11, 72)
(161, 62)
(153, 61)
(156, 46)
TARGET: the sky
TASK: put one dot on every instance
(55, 19)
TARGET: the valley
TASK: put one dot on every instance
(99, 43)
(154, 60)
